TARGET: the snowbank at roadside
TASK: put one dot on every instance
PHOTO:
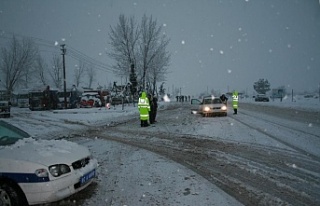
(298, 102)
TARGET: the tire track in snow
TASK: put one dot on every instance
(284, 142)
(285, 126)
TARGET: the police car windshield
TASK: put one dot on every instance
(10, 134)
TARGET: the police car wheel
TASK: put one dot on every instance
(11, 195)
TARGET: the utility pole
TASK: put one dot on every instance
(319, 85)
(63, 49)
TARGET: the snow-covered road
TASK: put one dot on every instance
(262, 156)
(239, 152)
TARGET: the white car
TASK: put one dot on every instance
(209, 106)
(41, 171)
(90, 99)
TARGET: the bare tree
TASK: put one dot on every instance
(16, 62)
(143, 45)
(91, 75)
(57, 71)
(152, 48)
(159, 65)
(79, 72)
(41, 67)
(123, 41)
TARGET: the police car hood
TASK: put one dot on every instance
(45, 152)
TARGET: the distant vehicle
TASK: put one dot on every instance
(41, 171)
(73, 97)
(5, 104)
(37, 100)
(23, 99)
(5, 108)
(209, 106)
(261, 98)
(61, 99)
(90, 99)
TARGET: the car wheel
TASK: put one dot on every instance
(10, 195)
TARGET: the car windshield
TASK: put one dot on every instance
(212, 101)
(10, 134)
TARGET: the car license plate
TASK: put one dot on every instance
(85, 178)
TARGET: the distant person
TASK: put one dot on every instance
(47, 98)
(74, 96)
(224, 99)
(155, 109)
(151, 112)
(235, 101)
(144, 108)
(108, 101)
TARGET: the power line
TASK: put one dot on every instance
(99, 67)
(53, 52)
(89, 60)
(37, 40)
(72, 52)
(87, 57)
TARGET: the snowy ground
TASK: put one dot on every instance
(157, 176)
(160, 180)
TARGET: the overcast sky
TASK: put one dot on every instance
(221, 45)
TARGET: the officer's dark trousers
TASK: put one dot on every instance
(144, 123)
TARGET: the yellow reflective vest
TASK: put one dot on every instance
(235, 100)
(144, 106)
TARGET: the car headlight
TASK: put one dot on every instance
(60, 169)
(206, 109)
(224, 107)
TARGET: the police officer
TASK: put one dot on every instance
(235, 100)
(155, 106)
(151, 112)
(144, 108)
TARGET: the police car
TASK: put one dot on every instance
(41, 171)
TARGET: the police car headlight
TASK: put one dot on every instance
(224, 108)
(206, 109)
(60, 169)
